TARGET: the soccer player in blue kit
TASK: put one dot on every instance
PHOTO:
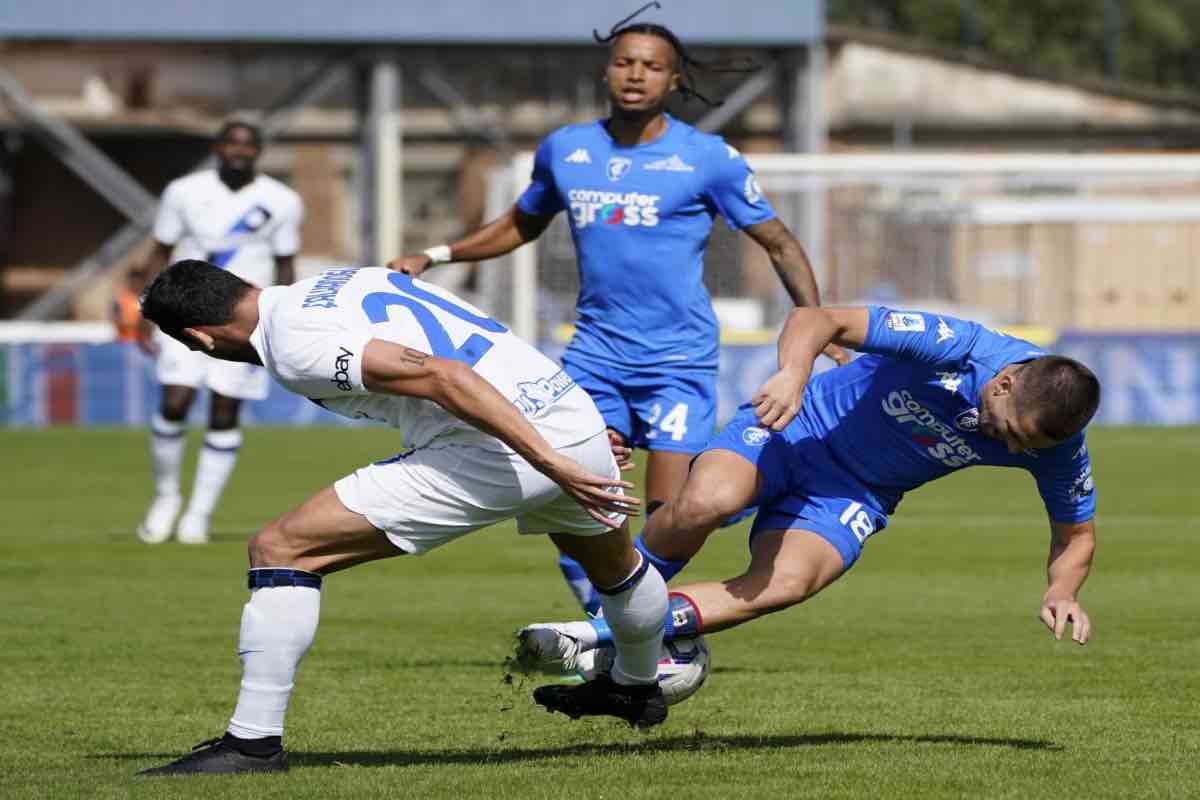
(641, 189)
(826, 461)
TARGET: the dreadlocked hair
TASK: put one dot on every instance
(687, 83)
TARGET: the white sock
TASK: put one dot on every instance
(217, 460)
(167, 442)
(636, 611)
(278, 626)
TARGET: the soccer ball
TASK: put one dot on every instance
(682, 667)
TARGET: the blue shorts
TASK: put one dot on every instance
(803, 488)
(672, 410)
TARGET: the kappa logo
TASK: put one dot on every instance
(580, 156)
(756, 437)
(950, 381)
(617, 167)
(341, 370)
(752, 190)
(944, 331)
(968, 420)
(672, 164)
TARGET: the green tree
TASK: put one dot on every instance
(1149, 41)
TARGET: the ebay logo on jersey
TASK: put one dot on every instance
(590, 206)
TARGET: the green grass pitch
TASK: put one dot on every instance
(922, 674)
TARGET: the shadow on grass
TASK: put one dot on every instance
(698, 743)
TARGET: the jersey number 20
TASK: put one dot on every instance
(417, 301)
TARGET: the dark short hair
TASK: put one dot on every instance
(229, 126)
(192, 293)
(1062, 393)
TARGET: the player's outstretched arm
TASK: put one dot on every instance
(794, 270)
(502, 235)
(1071, 547)
(391, 368)
(807, 332)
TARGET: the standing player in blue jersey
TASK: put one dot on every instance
(641, 189)
(933, 395)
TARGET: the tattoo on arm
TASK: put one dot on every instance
(414, 357)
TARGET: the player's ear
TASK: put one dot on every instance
(195, 336)
(1003, 385)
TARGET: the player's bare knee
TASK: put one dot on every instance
(270, 547)
(703, 508)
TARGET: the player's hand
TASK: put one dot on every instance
(840, 356)
(777, 402)
(596, 494)
(145, 338)
(1057, 612)
(410, 265)
(621, 452)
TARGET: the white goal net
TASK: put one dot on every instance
(1098, 242)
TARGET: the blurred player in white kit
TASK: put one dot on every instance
(495, 431)
(249, 224)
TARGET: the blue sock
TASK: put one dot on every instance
(683, 620)
(668, 569)
(579, 584)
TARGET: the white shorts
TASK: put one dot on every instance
(428, 497)
(179, 366)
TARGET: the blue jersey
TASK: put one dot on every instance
(640, 218)
(908, 412)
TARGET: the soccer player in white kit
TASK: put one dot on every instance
(249, 224)
(495, 430)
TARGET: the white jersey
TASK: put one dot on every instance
(240, 231)
(311, 335)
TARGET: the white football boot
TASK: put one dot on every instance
(160, 519)
(548, 648)
(192, 529)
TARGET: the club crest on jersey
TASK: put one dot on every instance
(752, 190)
(968, 420)
(756, 437)
(1083, 486)
(256, 217)
(902, 322)
(617, 167)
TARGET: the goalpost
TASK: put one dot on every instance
(1089, 242)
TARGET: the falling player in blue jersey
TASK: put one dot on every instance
(827, 460)
(641, 189)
